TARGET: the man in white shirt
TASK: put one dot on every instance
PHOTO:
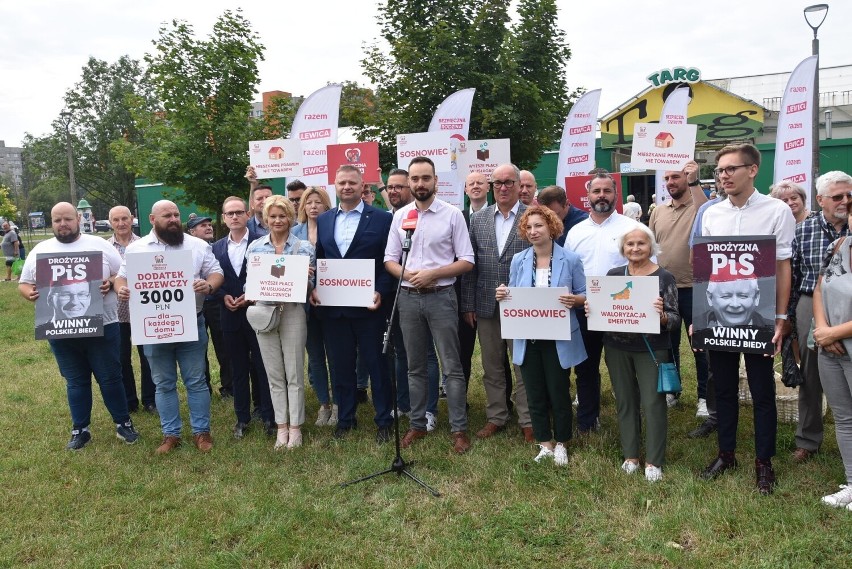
(748, 212)
(632, 209)
(79, 358)
(167, 235)
(595, 241)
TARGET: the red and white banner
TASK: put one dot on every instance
(315, 125)
(578, 195)
(577, 149)
(794, 141)
(674, 112)
(362, 155)
(453, 118)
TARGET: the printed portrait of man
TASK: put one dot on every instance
(71, 300)
(734, 300)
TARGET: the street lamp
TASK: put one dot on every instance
(815, 16)
(65, 118)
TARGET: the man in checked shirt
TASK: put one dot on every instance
(812, 240)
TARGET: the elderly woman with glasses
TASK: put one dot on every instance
(283, 347)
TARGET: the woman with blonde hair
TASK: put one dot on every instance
(283, 347)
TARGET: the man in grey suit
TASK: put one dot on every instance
(494, 236)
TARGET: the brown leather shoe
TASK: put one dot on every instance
(801, 455)
(203, 442)
(461, 444)
(528, 434)
(489, 430)
(410, 436)
(169, 444)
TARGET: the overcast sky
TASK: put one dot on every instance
(615, 43)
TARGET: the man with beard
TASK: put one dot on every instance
(79, 358)
(121, 220)
(494, 238)
(202, 227)
(813, 237)
(167, 235)
(595, 240)
(671, 224)
(440, 252)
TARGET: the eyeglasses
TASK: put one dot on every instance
(396, 188)
(504, 183)
(295, 201)
(839, 197)
(729, 170)
(78, 296)
(237, 213)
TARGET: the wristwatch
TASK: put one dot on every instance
(780, 317)
(695, 183)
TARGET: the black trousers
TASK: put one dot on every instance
(244, 357)
(213, 317)
(589, 377)
(761, 382)
(127, 375)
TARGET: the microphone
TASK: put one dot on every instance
(409, 224)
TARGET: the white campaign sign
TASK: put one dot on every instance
(674, 112)
(434, 145)
(346, 282)
(577, 147)
(794, 141)
(535, 313)
(662, 146)
(623, 304)
(315, 125)
(276, 158)
(483, 156)
(277, 278)
(162, 302)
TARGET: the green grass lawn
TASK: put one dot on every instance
(244, 505)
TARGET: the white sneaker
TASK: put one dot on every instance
(840, 499)
(671, 400)
(545, 453)
(431, 422)
(630, 467)
(332, 421)
(560, 455)
(653, 473)
(576, 401)
(401, 414)
(323, 416)
(701, 411)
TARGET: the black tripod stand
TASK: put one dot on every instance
(399, 466)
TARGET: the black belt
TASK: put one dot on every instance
(807, 294)
(426, 290)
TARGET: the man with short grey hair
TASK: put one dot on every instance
(813, 237)
(10, 248)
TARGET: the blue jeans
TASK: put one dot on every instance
(424, 317)
(190, 356)
(317, 372)
(403, 399)
(78, 359)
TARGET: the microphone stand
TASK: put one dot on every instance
(398, 466)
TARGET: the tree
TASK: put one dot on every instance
(97, 113)
(8, 209)
(198, 138)
(436, 47)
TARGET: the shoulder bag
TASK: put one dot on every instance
(668, 378)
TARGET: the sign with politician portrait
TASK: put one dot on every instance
(70, 303)
(733, 306)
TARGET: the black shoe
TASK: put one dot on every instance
(342, 432)
(256, 414)
(150, 408)
(703, 430)
(362, 397)
(133, 408)
(225, 393)
(383, 435)
(270, 428)
(240, 430)
(725, 461)
(442, 394)
(127, 432)
(765, 476)
(79, 439)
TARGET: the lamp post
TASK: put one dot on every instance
(65, 118)
(815, 16)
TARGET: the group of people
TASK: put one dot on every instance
(456, 267)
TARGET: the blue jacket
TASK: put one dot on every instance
(233, 284)
(567, 272)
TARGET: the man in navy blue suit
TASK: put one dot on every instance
(355, 230)
(240, 339)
